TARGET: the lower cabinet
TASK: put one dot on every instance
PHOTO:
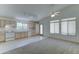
(21, 35)
(2, 36)
(9, 36)
(17, 35)
(12, 36)
(8, 39)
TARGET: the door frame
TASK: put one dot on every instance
(42, 29)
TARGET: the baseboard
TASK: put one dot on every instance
(63, 40)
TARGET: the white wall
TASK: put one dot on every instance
(68, 12)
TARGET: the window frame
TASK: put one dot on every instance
(22, 27)
(18, 26)
(41, 29)
(54, 22)
(71, 19)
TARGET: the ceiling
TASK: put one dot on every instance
(29, 12)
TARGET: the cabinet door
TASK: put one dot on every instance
(13, 23)
(18, 36)
(2, 24)
(26, 34)
(22, 34)
(2, 37)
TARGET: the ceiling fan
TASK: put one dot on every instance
(56, 13)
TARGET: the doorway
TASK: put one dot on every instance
(41, 29)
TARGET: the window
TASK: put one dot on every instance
(51, 27)
(64, 28)
(21, 25)
(54, 26)
(68, 26)
(24, 26)
(71, 27)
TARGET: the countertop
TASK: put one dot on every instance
(13, 30)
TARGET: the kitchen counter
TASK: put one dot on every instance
(21, 35)
(6, 35)
(2, 36)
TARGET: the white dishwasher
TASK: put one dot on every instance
(9, 36)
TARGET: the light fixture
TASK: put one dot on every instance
(56, 13)
(52, 15)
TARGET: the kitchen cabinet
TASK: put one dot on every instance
(2, 36)
(10, 36)
(6, 36)
(11, 23)
(17, 35)
(33, 28)
(6, 26)
(21, 35)
(2, 24)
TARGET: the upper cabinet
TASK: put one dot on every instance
(7, 22)
(33, 28)
(10, 23)
(2, 24)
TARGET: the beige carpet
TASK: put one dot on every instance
(47, 46)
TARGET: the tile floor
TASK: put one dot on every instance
(39, 45)
(47, 46)
(10, 45)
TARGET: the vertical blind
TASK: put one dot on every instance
(54, 26)
(68, 26)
